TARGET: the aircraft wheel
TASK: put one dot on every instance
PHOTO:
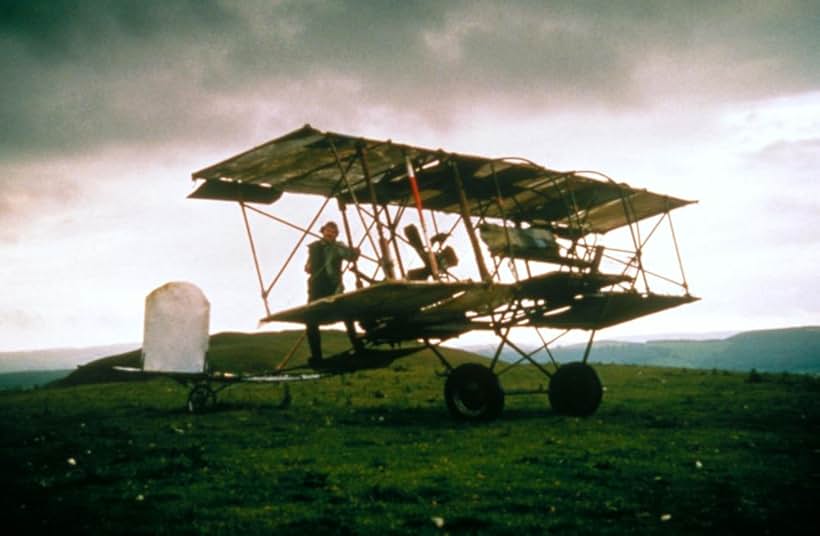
(201, 398)
(575, 390)
(473, 393)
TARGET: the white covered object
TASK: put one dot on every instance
(176, 329)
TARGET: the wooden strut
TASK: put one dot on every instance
(636, 239)
(392, 226)
(503, 214)
(677, 253)
(414, 187)
(282, 364)
(350, 189)
(306, 231)
(576, 209)
(255, 258)
(505, 336)
(343, 210)
(468, 224)
(386, 261)
(498, 350)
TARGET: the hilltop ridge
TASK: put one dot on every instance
(776, 350)
(772, 350)
(252, 353)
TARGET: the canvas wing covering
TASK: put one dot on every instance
(309, 161)
(388, 299)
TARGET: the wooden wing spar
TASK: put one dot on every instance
(309, 161)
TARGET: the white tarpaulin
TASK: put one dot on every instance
(176, 329)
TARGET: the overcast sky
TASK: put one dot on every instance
(108, 106)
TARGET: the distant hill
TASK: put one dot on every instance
(777, 350)
(30, 379)
(790, 350)
(58, 358)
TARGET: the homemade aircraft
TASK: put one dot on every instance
(536, 252)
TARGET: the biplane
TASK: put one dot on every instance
(453, 243)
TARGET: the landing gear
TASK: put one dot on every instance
(473, 393)
(575, 390)
(201, 398)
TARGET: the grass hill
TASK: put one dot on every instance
(251, 353)
(670, 451)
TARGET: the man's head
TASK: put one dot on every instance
(330, 231)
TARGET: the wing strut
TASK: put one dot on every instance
(414, 185)
(468, 224)
(386, 261)
(255, 257)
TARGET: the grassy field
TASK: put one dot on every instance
(670, 451)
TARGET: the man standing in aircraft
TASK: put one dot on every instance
(324, 265)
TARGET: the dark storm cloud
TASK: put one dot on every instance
(540, 50)
(77, 73)
(72, 28)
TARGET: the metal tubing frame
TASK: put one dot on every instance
(526, 356)
(546, 345)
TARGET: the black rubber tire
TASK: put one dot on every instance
(575, 390)
(473, 393)
(201, 398)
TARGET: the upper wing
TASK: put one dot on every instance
(309, 161)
